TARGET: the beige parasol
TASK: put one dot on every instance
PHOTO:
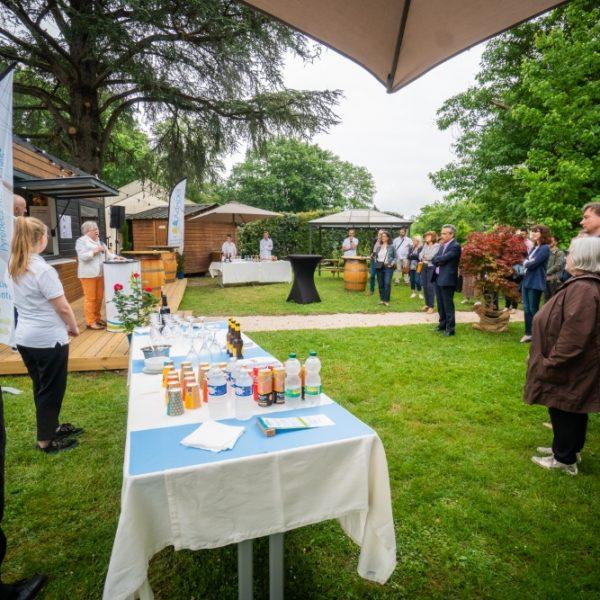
(397, 41)
(235, 213)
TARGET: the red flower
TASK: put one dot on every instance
(148, 289)
(136, 275)
(118, 287)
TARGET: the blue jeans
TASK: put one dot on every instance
(428, 286)
(384, 279)
(372, 276)
(531, 304)
(415, 280)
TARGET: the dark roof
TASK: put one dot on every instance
(162, 212)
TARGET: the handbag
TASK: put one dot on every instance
(419, 267)
(379, 265)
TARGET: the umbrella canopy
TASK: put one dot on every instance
(235, 212)
(397, 41)
(360, 218)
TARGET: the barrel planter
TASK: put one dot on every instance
(152, 269)
(356, 273)
(170, 264)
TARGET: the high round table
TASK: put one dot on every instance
(304, 290)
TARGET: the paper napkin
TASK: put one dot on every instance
(213, 436)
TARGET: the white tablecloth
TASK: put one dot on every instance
(279, 271)
(224, 501)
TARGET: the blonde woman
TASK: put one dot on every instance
(91, 253)
(46, 321)
(414, 273)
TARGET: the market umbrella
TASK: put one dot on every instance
(397, 41)
(236, 213)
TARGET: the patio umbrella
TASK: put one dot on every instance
(235, 213)
(397, 41)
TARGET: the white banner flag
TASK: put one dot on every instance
(6, 207)
(177, 216)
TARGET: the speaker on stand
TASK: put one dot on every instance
(117, 220)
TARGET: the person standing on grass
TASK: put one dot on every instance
(430, 249)
(402, 245)
(385, 263)
(265, 246)
(46, 321)
(415, 266)
(373, 262)
(350, 244)
(563, 371)
(554, 269)
(445, 278)
(534, 279)
(591, 219)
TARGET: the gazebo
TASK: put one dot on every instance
(359, 218)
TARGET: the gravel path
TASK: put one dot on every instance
(342, 320)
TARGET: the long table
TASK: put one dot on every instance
(241, 271)
(195, 499)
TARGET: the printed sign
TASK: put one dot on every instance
(177, 216)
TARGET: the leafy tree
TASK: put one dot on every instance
(529, 145)
(208, 72)
(294, 176)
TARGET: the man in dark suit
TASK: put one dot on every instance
(445, 278)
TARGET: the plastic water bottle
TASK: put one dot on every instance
(293, 385)
(218, 404)
(312, 381)
(244, 398)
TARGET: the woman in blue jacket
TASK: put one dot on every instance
(534, 280)
(385, 258)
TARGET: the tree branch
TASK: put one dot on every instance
(43, 95)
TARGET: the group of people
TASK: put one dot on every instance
(265, 248)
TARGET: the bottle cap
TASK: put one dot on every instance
(312, 353)
(292, 355)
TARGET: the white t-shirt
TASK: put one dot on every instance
(402, 246)
(266, 246)
(39, 325)
(229, 249)
(382, 254)
(346, 244)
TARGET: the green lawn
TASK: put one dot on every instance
(474, 517)
(205, 297)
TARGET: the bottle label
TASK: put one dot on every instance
(292, 393)
(217, 390)
(312, 390)
(243, 391)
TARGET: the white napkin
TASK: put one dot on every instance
(213, 436)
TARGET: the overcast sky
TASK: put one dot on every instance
(393, 135)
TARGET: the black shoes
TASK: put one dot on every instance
(66, 429)
(26, 589)
(448, 333)
(58, 445)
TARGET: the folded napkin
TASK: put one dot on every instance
(213, 436)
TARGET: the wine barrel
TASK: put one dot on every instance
(355, 273)
(153, 273)
(170, 264)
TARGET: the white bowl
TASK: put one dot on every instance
(155, 363)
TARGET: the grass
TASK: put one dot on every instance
(205, 297)
(474, 517)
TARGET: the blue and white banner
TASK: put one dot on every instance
(177, 216)
(6, 207)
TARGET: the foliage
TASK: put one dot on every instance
(490, 258)
(180, 258)
(529, 143)
(206, 73)
(293, 176)
(133, 308)
(474, 517)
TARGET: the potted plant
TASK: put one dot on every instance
(180, 265)
(490, 258)
(133, 308)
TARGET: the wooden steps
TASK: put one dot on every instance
(93, 350)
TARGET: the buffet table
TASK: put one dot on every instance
(264, 486)
(242, 271)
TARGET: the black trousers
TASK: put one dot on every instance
(445, 302)
(47, 368)
(569, 434)
(2, 452)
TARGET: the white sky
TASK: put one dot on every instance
(394, 136)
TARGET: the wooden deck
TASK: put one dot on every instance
(93, 350)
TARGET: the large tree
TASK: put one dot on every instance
(208, 72)
(294, 176)
(529, 142)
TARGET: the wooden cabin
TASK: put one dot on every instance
(149, 228)
(63, 197)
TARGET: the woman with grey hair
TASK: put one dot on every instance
(91, 253)
(564, 362)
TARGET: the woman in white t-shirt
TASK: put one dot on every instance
(46, 321)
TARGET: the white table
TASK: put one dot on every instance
(265, 271)
(194, 499)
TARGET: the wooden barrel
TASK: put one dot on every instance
(153, 273)
(355, 274)
(170, 264)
